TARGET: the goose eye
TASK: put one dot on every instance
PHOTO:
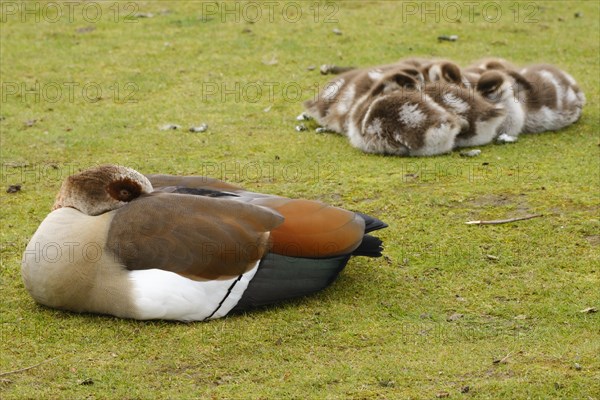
(124, 190)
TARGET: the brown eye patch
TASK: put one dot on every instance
(124, 189)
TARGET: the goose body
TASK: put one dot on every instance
(184, 248)
(332, 106)
(552, 100)
(395, 117)
(537, 98)
(502, 88)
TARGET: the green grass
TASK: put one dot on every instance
(381, 330)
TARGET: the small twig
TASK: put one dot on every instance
(503, 221)
(16, 371)
(503, 359)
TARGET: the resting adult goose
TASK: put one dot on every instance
(184, 248)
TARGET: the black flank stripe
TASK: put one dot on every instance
(224, 298)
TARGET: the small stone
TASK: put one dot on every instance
(491, 257)
(470, 153)
(448, 38)
(442, 395)
(589, 310)
(321, 129)
(577, 367)
(30, 123)
(336, 31)
(87, 382)
(86, 29)
(311, 67)
(300, 128)
(454, 317)
(170, 127)
(13, 189)
(143, 15)
(578, 14)
(199, 129)
(465, 389)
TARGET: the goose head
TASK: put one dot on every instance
(101, 189)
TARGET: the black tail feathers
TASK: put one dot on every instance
(370, 246)
(372, 223)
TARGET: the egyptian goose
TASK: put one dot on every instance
(331, 107)
(396, 118)
(552, 98)
(184, 248)
(479, 119)
(505, 88)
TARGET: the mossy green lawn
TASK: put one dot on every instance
(389, 327)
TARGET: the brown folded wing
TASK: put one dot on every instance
(195, 236)
(311, 228)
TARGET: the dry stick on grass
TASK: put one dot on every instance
(502, 221)
(503, 359)
(27, 368)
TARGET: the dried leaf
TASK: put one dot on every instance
(13, 189)
(271, 61)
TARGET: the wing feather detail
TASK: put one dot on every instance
(195, 236)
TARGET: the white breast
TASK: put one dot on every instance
(159, 294)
